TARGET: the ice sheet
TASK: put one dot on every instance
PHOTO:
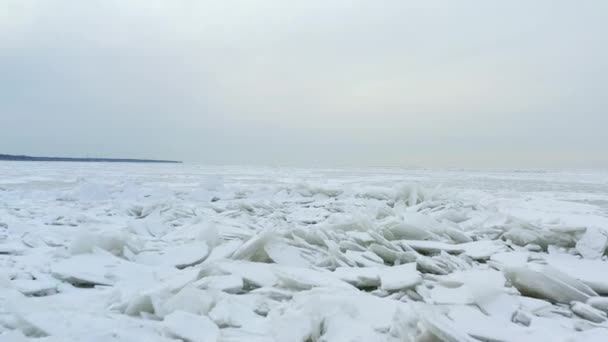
(128, 252)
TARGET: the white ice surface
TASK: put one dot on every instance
(130, 252)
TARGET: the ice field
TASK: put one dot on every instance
(133, 252)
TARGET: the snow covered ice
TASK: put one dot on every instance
(131, 252)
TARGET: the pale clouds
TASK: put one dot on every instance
(432, 83)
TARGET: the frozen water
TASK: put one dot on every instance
(130, 252)
(191, 327)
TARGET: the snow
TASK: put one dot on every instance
(127, 252)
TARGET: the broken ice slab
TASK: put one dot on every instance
(474, 286)
(189, 299)
(593, 244)
(86, 269)
(392, 255)
(400, 277)
(191, 327)
(510, 259)
(418, 226)
(478, 250)
(600, 303)
(284, 254)
(432, 247)
(334, 315)
(361, 277)
(429, 265)
(548, 283)
(223, 251)
(254, 273)
(402, 230)
(483, 249)
(103, 268)
(238, 311)
(13, 248)
(179, 256)
(522, 234)
(273, 293)
(253, 249)
(74, 315)
(363, 259)
(227, 283)
(306, 278)
(441, 327)
(471, 321)
(147, 292)
(594, 273)
(38, 287)
(588, 312)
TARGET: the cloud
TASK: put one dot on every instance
(357, 82)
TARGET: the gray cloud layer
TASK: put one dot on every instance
(430, 83)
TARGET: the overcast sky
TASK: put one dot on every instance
(515, 83)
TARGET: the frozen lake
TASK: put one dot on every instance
(170, 252)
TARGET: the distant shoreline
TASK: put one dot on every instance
(8, 157)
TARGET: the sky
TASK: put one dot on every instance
(434, 83)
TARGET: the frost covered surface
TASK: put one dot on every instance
(104, 252)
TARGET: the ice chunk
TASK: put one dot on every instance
(227, 283)
(417, 226)
(522, 318)
(392, 255)
(209, 233)
(85, 269)
(361, 277)
(13, 248)
(206, 232)
(600, 303)
(330, 315)
(510, 259)
(113, 242)
(478, 250)
(305, 278)
(548, 283)
(523, 234)
(191, 327)
(468, 287)
(429, 265)
(39, 287)
(593, 244)
(255, 273)
(224, 250)
(62, 321)
(407, 231)
(441, 326)
(363, 259)
(433, 247)
(253, 249)
(179, 256)
(273, 293)
(188, 299)
(236, 311)
(400, 277)
(591, 272)
(588, 312)
(284, 254)
(482, 250)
